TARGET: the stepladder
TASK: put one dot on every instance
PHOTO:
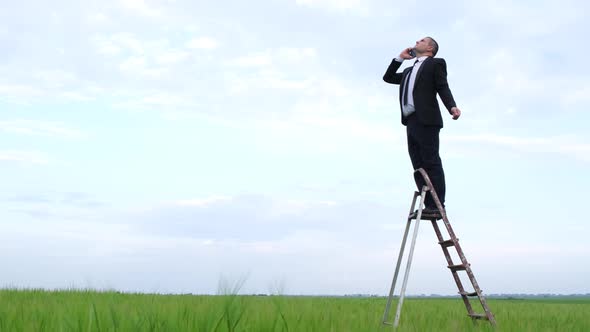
(447, 245)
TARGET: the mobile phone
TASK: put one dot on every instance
(412, 52)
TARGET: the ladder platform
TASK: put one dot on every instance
(478, 316)
(468, 294)
(447, 243)
(459, 267)
(425, 216)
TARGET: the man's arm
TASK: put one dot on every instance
(390, 74)
(442, 88)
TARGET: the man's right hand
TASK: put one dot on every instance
(405, 54)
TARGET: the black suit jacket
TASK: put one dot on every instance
(430, 80)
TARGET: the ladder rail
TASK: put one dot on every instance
(443, 213)
(422, 196)
(454, 273)
(399, 261)
(409, 263)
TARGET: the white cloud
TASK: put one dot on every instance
(354, 127)
(138, 65)
(39, 128)
(140, 7)
(300, 80)
(55, 78)
(24, 157)
(155, 100)
(253, 60)
(294, 54)
(339, 121)
(357, 6)
(122, 42)
(133, 63)
(107, 47)
(129, 41)
(19, 91)
(203, 43)
(577, 95)
(171, 57)
(75, 96)
(203, 202)
(48, 84)
(570, 146)
(256, 217)
(148, 58)
(277, 56)
(281, 208)
(98, 18)
(265, 80)
(333, 87)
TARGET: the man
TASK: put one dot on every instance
(421, 115)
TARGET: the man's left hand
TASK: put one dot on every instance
(455, 112)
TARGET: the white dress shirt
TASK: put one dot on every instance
(409, 108)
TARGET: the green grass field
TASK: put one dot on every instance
(38, 310)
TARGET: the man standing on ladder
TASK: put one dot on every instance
(421, 115)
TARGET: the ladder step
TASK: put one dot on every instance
(468, 294)
(447, 243)
(459, 267)
(425, 216)
(478, 316)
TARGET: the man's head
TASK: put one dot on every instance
(426, 46)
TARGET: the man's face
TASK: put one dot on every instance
(423, 45)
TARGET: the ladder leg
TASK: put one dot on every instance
(410, 255)
(399, 261)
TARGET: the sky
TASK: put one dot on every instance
(179, 146)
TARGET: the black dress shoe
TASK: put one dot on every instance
(428, 211)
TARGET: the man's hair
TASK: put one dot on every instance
(434, 45)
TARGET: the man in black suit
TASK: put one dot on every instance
(421, 115)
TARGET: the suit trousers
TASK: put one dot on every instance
(423, 145)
